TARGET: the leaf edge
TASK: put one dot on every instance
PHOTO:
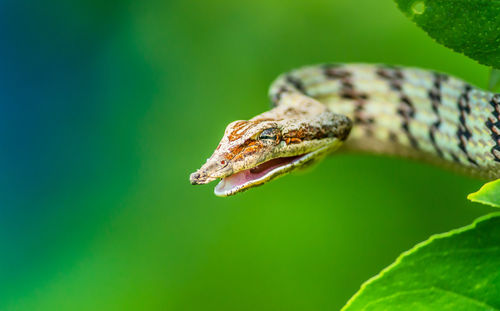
(416, 248)
(476, 197)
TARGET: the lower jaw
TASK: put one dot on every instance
(259, 175)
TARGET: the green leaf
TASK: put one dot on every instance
(488, 194)
(457, 270)
(494, 83)
(471, 27)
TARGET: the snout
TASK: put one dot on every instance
(200, 178)
(210, 171)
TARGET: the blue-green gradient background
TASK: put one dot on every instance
(107, 106)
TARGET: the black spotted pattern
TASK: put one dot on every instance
(463, 132)
(493, 123)
(293, 84)
(394, 76)
(349, 92)
(297, 83)
(277, 96)
(434, 95)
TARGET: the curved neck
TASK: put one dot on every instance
(405, 111)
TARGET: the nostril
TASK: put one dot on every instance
(194, 178)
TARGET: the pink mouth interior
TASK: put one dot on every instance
(255, 173)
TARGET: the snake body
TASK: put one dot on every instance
(372, 108)
(407, 111)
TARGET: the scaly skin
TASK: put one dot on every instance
(403, 111)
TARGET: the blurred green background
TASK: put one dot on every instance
(108, 106)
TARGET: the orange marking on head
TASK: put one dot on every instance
(240, 129)
(240, 151)
(238, 157)
(251, 149)
(233, 152)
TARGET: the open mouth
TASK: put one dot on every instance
(261, 173)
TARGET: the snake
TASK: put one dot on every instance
(392, 110)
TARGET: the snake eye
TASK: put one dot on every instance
(270, 134)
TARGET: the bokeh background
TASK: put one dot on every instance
(108, 106)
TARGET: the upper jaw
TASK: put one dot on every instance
(209, 172)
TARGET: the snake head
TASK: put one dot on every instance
(298, 131)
